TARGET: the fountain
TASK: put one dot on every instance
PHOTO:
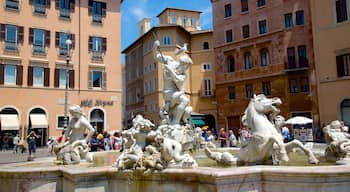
(162, 158)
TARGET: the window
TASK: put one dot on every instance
(305, 85)
(248, 61)
(207, 87)
(345, 111)
(10, 75)
(264, 57)
(38, 43)
(193, 21)
(60, 121)
(174, 19)
(230, 64)
(261, 3)
(97, 47)
(299, 20)
(96, 44)
(291, 58)
(65, 7)
(98, 10)
(11, 37)
(183, 19)
(12, 4)
(228, 12)
(231, 93)
(205, 45)
(228, 36)
(249, 90)
(245, 31)
(38, 77)
(166, 40)
(293, 86)
(288, 20)
(206, 67)
(61, 39)
(40, 6)
(97, 79)
(341, 10)
(302, 56)
(343, 65)
(266, 88)
(244, 5)
(262, 27)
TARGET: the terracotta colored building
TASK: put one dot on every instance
(33, 64)
(144, 76)
(264, 47)
(331, 29)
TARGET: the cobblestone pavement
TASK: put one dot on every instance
(9, 157)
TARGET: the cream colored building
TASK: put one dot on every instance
(331, 29)
(33, 64)
(144, 76)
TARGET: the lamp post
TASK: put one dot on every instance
(68, 57)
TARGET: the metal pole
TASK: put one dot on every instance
(68, 42)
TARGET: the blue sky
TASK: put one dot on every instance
(132, 11)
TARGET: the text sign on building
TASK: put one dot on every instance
(98, 102)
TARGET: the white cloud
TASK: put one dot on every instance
(138, 13)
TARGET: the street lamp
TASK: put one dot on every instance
(68, 57)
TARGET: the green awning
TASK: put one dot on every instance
(198, 122)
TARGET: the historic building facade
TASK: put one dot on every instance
(144, 76)
(264, 47)
(33, 64)
(331, 29)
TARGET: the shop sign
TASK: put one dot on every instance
(98, 102)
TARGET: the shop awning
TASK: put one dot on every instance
(39, 121)
(9, 122)
(198, 122)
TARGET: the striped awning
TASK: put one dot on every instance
(9, 122)
(38, 121)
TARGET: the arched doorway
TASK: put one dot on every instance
(97, 120)
(39, 124)
(345, 111)
(210, 119)
(9, 126)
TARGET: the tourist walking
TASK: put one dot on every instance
(15, 143)
(5, 142)
(31, 139)
(232, 139)
(222, 137)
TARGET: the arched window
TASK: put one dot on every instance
(248, 60)
(230, 64)
(345, 111)
(97, 120)
(264, 57)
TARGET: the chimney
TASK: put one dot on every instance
(144, 25)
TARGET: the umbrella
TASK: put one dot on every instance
(298, 120)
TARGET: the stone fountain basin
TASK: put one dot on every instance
(43, 175)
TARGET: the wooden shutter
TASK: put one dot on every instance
(31, 35)
(90, 7)
(340, 66)
(104, 9)
(46, 77)
(90, 80)
(104, 44)
(48, 3)
(104, 80)
(2, 31)
(71, 79)
(47, 38)
(20, 34)
(57, 4)
(56, 82)
(30, 76)
(72, 38)
(90, 43)
(19, 76)
(72, 5)
(2, 74)
(57, 39)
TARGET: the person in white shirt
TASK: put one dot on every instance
(15, 142)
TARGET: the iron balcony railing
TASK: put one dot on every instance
(12, 4)
(11, 46)
(39, 8)
(97, 18)
(38, 49)
(65, 13)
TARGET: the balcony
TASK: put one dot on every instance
(11, 46)
(38, 49)
(39, 9)
(97, 55)
(65, 13)
(11, 4)
(97, 18)
(62, 51)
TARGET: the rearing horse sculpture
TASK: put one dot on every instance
(266, 142)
